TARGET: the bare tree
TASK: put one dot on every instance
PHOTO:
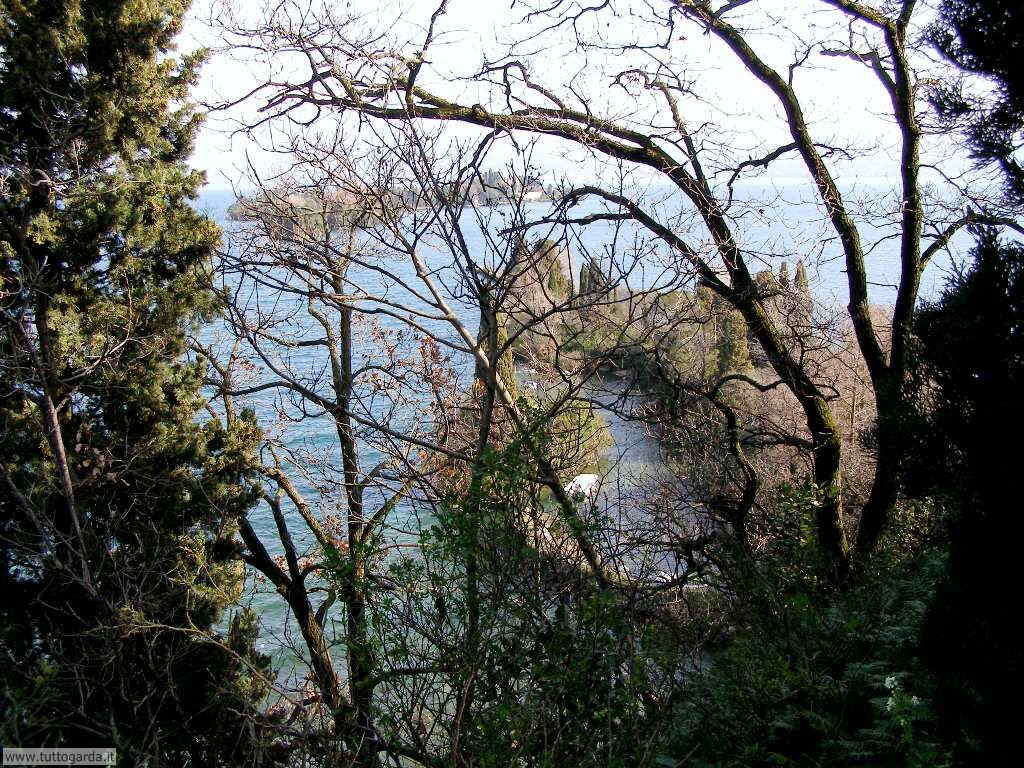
(370, 301)
(348, 64)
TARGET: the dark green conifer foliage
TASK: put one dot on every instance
(733, 349)
(584, 287)
(801, 302)
(986, 37)
(118, 507)
(550, 255)
(591, 278)
(971, 354)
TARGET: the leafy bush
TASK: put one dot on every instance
(814, 677)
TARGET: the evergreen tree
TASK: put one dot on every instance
(733, 350)
(986, 37)
(549, 257)
(800, 281)
(118, 508)
(705, 297)
(585, 286)
(591, 278)
(558, 286)
(767, 283)
(971, 375)
(802, 304)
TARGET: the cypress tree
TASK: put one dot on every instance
(591, 278)
(800, 281)
(584, 287)
(558, 286)
(802, 302)
(767, 283)
(118, 507)
(549, 256)
(705, 298)
(733, 350)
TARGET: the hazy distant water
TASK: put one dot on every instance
(780, 222)
(774, 220)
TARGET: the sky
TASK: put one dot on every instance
(846, 105)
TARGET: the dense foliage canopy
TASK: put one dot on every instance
(117, 504)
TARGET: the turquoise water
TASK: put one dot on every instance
(781, 222)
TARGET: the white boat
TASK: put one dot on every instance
(585, 485)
